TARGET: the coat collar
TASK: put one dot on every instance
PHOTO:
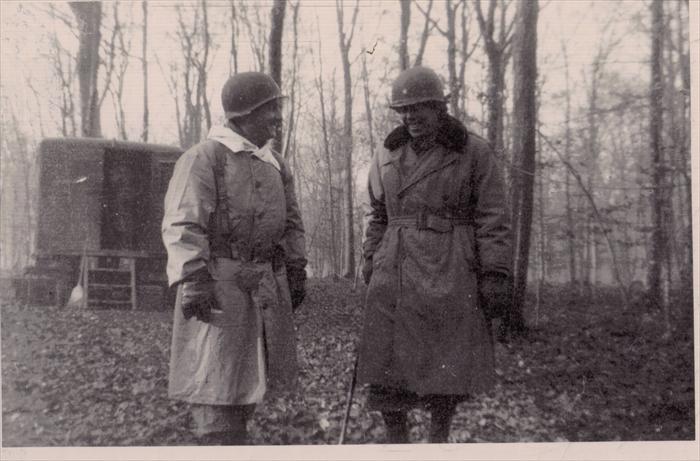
(452, 134)
(237, 143)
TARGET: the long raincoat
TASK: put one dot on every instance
(232, 230)
(437, 221)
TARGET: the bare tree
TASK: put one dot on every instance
(62, 66)
(404, 61)
(497, 37)
(345, 41)
(144, 66)
(658, 253)
(195, 43)
(676, 61)
(256, 33)
(570, 231)
(275, 61)
(524, 147)
(17, 203)
(234, 38)
(592, 148)
(428, 26)
(368, 104)
(124, 49)
(291, 118)
(329, 162)
(455, 76)
(598, 216)
(89, 17)
(465, 53)
(202, 65)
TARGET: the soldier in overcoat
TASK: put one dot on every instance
(235, 244)
(437, 255)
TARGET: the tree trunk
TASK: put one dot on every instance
(144, 64)
(89, 16)
(347, 143)
(275, 61)
(453, 83)
(656, 260)
(524, 148)
(329, 164)
(497, 52)
(570, 230)
(404, 62)
(368, 105)
(234, 39)
(495, 102)
(424, 35)
(291, 119)
(203, 73)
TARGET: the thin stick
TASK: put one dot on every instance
(348, 402)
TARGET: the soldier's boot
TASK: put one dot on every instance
(239, 424)
(440, 420)
(396, 426)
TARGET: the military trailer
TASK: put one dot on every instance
(99, 215)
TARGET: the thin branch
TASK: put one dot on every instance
(599, 217)
(432, 21)
(427, 27)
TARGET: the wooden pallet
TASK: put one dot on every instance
(109, 280)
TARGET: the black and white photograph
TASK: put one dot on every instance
(349, 229)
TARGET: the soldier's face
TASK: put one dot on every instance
(420, 119)
(263, 123)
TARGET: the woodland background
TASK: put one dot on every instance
(587, 105)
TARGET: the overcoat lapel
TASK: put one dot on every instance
(438, 159)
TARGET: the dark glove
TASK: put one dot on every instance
(296, 279)
(367, 270)
(494, 294)
(198, 299)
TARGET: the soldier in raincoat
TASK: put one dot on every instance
(235, 244)
(437, 258)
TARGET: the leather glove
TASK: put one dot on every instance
(367, 270)
(494, 294)
(296, 279)
(198, 299)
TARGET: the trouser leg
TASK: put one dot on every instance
(396, 422)
(240, 414)
(222, 424)
(441, 413)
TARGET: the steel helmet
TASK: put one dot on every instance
(414, 85)
(243, 93)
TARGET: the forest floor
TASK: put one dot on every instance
(584, 373)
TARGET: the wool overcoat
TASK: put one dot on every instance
(249, 345)
(437, 222)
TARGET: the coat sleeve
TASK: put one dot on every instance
(293, 239)
(491, 214)
(376, 216)
(189, 202)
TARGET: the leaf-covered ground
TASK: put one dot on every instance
(585, 372)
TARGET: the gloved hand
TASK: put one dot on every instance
(198, 299)
(494, 294)
(367, 271)
(296, 279)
